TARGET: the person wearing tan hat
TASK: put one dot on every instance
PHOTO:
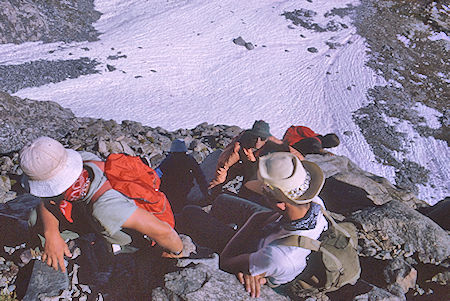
(245, 148)
(66, 181)
(290, 187)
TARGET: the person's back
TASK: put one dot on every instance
(178, 171)
(306, 141)
(283, 263)
(295, 134)
(290, 187)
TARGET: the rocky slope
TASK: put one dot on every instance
(404, 254)
(29, 21)
(407, 46)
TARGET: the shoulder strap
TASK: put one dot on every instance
(337, 227)
(299, 241)
(105, 187)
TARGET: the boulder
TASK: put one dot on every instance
(45, 281)
(5, 187)
(395, 225)
(400, 276)
(439, 213)
(378, 294)
(23, 120)
(378, 189)
(203, 282)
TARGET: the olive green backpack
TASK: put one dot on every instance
(333, 262)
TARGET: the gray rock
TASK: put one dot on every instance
(41, 72)
(239, 41)
(155, 160)
(45, 281)
(401, 276)
(102, 147)
(8, 272)
(378, 189)
(126, 148)
(5, 187)
(442, 278)
(23, 120)
(378, 294)
(232, 131)
(395, 224)
(202, 282)
(41, 21)
(6, 164)
(212, 262)
(249, 46)
(201, 147)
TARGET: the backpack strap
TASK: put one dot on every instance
(313, 245)
(105, 187)
(299, 241)
(337, 227)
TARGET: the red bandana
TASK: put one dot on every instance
(77, 191)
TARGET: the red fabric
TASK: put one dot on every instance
(130, 176)
(295, 134)
(77, 191)
(66, 209)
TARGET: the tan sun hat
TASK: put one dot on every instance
(51, 168)
(287, 178)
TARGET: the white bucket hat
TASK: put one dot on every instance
(287, 178)
(51, 168)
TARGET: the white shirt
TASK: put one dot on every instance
(283, 263)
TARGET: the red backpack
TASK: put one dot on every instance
(296, 133)
(137, 181)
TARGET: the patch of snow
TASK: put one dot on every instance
(419, 150)
(404, 40)
(177, 66)
(430, 115)
(439, 36)
(422, 76)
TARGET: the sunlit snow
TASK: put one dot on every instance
(182, 68)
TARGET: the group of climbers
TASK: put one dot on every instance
(278, 199)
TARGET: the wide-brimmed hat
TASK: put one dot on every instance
(178, 146)
(261, 128)
(51, 168)
(287, 178)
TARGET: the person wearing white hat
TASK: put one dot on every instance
(290, 187)
(61, 178)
